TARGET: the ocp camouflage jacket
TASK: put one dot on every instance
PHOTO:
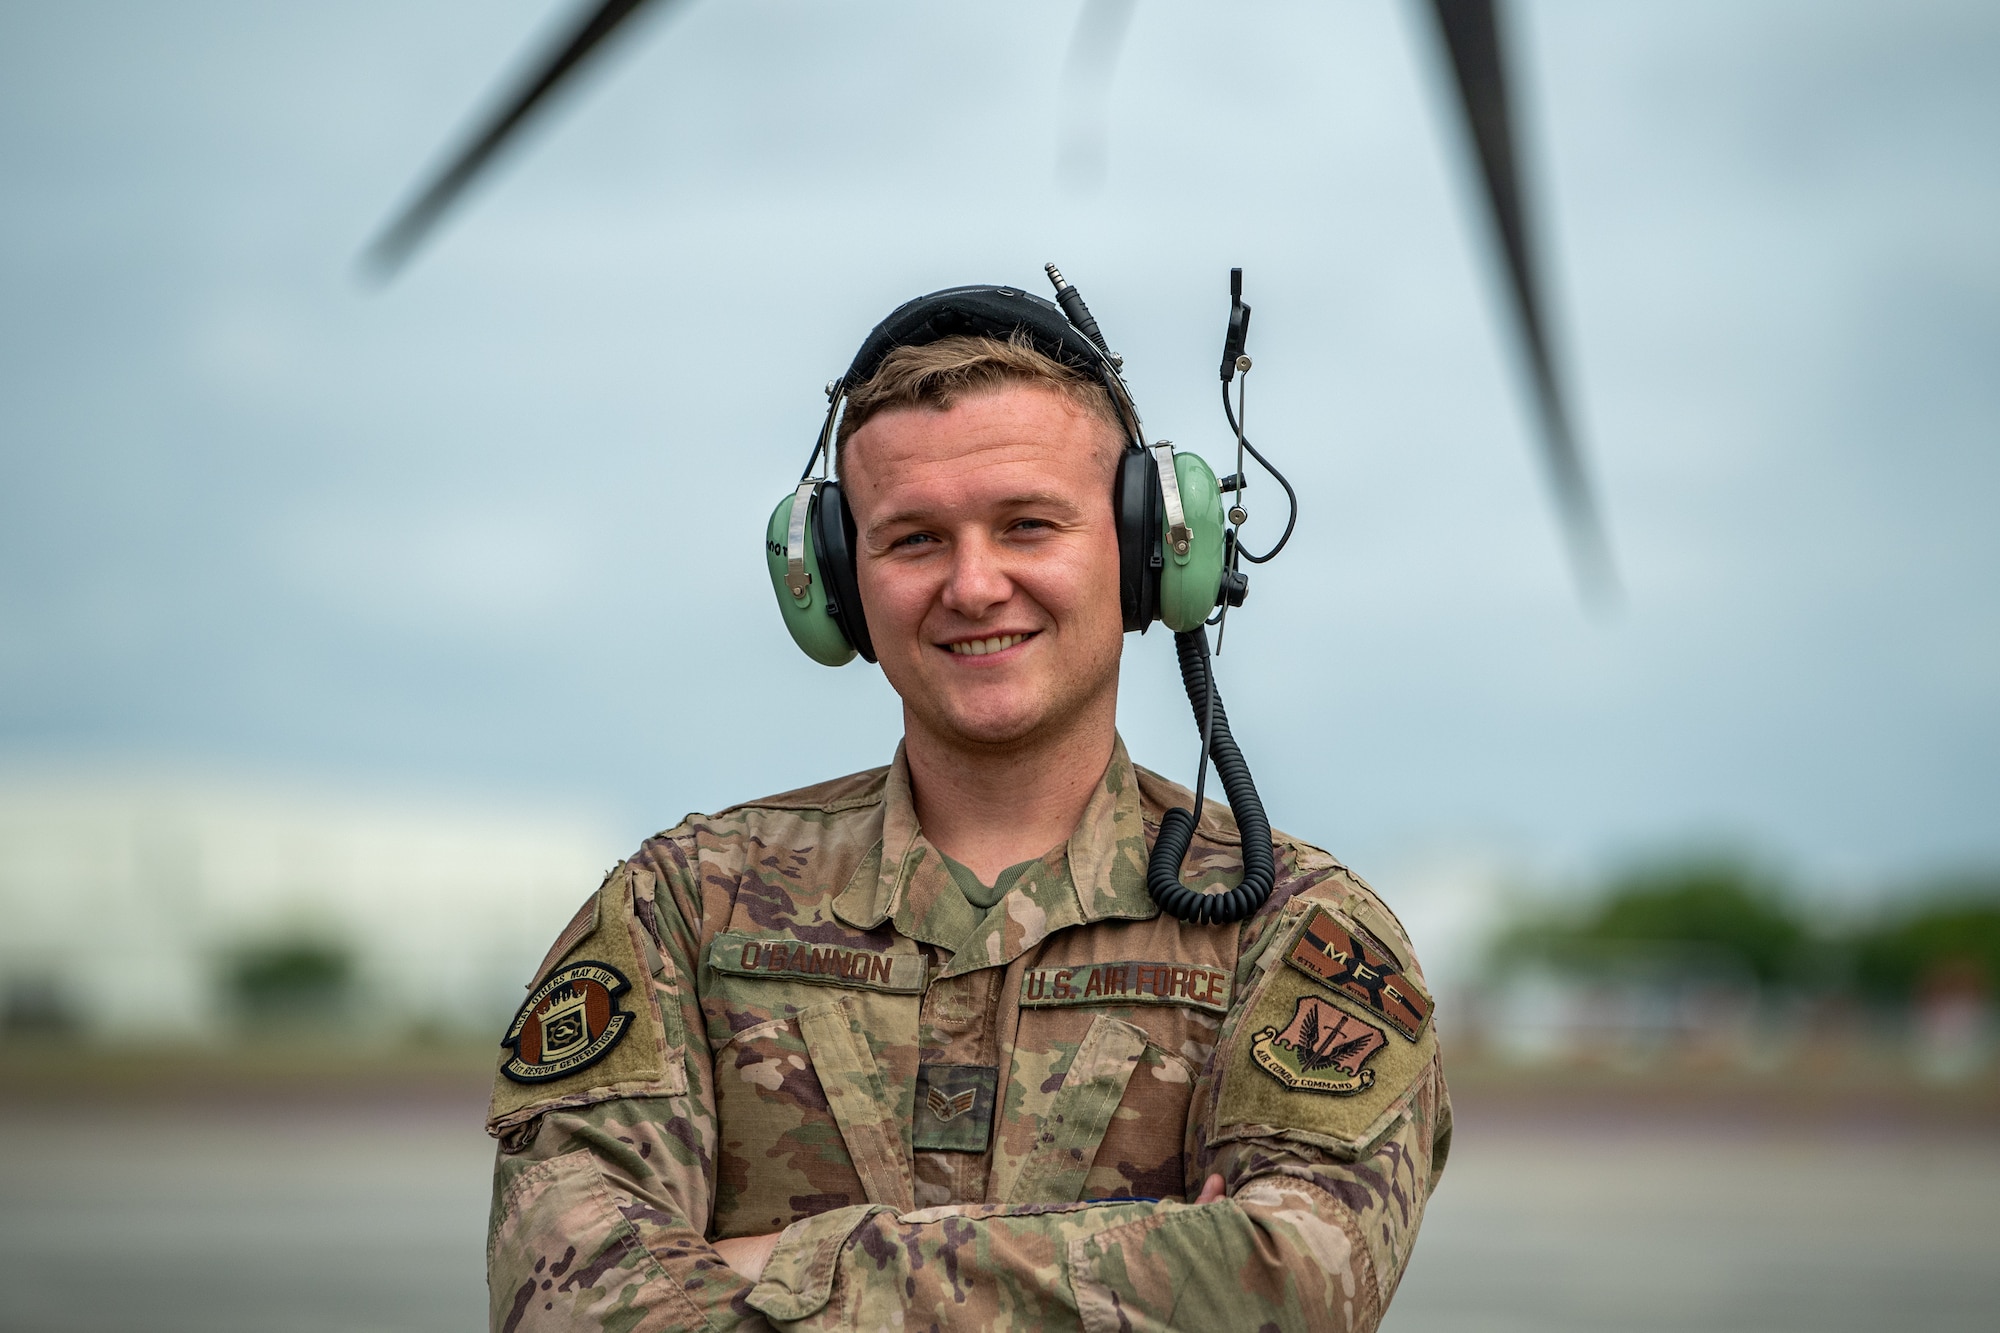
(788, 1016)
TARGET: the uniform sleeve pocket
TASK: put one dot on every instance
(798, 1280)
(563, 1256)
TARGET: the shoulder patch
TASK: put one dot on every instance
(1323, 1050)
(1348, 961)
(570, 1022)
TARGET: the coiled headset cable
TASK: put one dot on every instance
(1218, 746)
(1260, 871)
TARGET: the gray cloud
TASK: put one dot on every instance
(495, 527)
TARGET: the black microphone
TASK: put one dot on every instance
(1239, 326)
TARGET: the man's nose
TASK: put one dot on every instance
(978, 581)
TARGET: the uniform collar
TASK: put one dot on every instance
(1098, 875)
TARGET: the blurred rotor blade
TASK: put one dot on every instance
(1094, 48)
(396, 242)
(1472, 36)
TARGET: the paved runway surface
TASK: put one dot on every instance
(269, 1218)
(1710, 1228)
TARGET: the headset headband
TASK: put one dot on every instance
(990, 312)
(984, 312)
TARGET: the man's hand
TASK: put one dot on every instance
(748, 1254)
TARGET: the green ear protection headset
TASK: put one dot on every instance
(1177, 559)
(1171, 529)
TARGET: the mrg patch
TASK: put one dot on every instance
(1352, 964)
(570, 1022)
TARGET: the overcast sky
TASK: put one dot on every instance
(494, 531)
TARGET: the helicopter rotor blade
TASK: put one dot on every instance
(400, 239)
(1471, 33)
(1094, 47)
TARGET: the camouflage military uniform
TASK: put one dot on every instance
(788, 1016)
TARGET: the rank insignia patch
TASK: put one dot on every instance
(1351, 965)
(570, 1022)
(954, 1107)
(1323, 1049)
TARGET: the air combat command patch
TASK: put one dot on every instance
(570, 1022)
(1321, 1050)
(1348, 962)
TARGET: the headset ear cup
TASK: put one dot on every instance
(816, 632)
(832, 527)
(1191, 584)
(1137, 505)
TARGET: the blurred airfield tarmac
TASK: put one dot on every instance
(333, 1193)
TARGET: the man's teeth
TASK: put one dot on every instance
(980, 647)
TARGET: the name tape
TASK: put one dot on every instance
(824, 964)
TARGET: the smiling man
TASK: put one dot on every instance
(916, 1048)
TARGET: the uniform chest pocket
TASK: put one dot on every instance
(810, 1119)
(1097, 1105)
(780, 1154)
(1063, 1122)
(814, 1054)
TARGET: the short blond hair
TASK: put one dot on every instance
(942, 374)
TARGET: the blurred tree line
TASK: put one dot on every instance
(1721, 918)
(289, 981)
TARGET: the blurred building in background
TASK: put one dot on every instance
(142, 908)
(156, 908)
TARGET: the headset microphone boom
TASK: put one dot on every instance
(1178, 562)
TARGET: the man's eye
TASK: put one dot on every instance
(913, 539)
(1032, 524)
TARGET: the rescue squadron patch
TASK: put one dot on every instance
(1127, 983)
(1323, 1049)
(570, 1022)
(1346, 962)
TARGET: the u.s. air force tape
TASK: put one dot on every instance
(1130, 982)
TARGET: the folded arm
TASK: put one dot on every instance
(1298, 1243)
(587, 1233)
(1327, 1167)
